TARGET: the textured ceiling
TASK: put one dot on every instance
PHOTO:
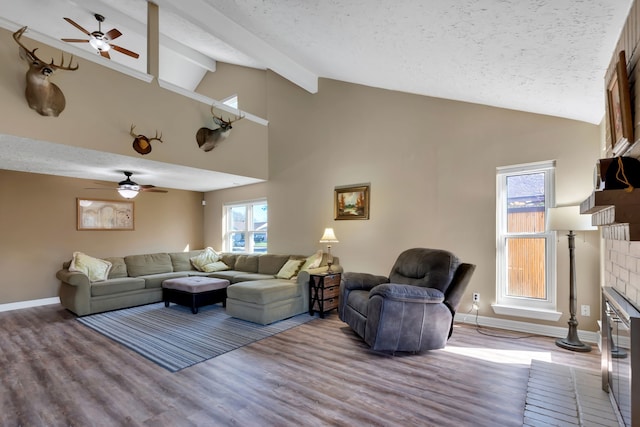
(540, 56)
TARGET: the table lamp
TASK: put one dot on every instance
(329, 237)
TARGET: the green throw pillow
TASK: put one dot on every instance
(96, 269)
(289, 269)
(215, 266)
(313, 261)
(207, 256)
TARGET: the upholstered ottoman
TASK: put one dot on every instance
(194, 291)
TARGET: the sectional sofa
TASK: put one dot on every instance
(255, 293)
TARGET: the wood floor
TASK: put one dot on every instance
(57, 372)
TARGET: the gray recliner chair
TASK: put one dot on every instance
(412, 310)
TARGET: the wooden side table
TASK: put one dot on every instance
(324, 290)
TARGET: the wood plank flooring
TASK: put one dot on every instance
(57, 372)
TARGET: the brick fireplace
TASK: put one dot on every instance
(617, 212)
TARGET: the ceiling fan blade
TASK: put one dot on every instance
(153, 190)
(72, 22)
(105, 54)
(113, 34)
(125, 51)
(75, 40)
(96, 188)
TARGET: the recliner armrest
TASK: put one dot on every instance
(362, 281)
(408, 293)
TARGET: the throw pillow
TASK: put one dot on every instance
(289, 269)
(96, 269)
(313, 261)
(215, 266)
(207, 256)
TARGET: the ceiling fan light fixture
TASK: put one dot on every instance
(129, 191)
(99, 44)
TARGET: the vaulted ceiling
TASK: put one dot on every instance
(540, 56)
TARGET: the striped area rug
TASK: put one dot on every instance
(174, 338)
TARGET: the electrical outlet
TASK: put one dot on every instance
(476, 297)
(585, 310)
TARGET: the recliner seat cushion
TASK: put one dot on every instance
(358, 300)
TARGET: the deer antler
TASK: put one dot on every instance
(224, 123)
(156, 138)
(32, 53)
(135, 135)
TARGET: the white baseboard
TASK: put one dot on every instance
(26, 304)
(530, 328)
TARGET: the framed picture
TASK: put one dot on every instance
(618, 98)
(96, 214)
(352, 202)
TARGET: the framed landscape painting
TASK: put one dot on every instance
(352, 202)
(618, 100)
(96, 214)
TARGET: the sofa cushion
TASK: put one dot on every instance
(271, 264)
(290, 268)
(142, 265)
(228, 274)
(246, 277)
(181, 261)
(264, 291)
(118, 267)
(247, 263)
(229, 259)
(116, 286)
(155, 280)
(94, 268)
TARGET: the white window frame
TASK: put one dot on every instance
(523, 306)
(228, 231)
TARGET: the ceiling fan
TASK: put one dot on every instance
(99, 40)
(130, 189)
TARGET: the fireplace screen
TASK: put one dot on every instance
(620, 354)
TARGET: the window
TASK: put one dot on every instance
(245, 226)
(231, 101)
(525, 250)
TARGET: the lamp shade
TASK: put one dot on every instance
(568, 218)
(329, 236)
(128, 193)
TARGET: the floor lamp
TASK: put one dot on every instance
(568, 218)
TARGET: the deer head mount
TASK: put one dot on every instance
(42, 95)
(141, 143)
(208, 138)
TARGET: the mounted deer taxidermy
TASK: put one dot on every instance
(141, 143)
(42, 95)
(208, 138)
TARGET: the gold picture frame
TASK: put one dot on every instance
(351, 202)
(619, 103)
(105, 215)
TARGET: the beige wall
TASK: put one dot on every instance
(38, 229)
(102, 104)
(431, 164)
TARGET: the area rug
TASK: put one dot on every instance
(175, 338)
